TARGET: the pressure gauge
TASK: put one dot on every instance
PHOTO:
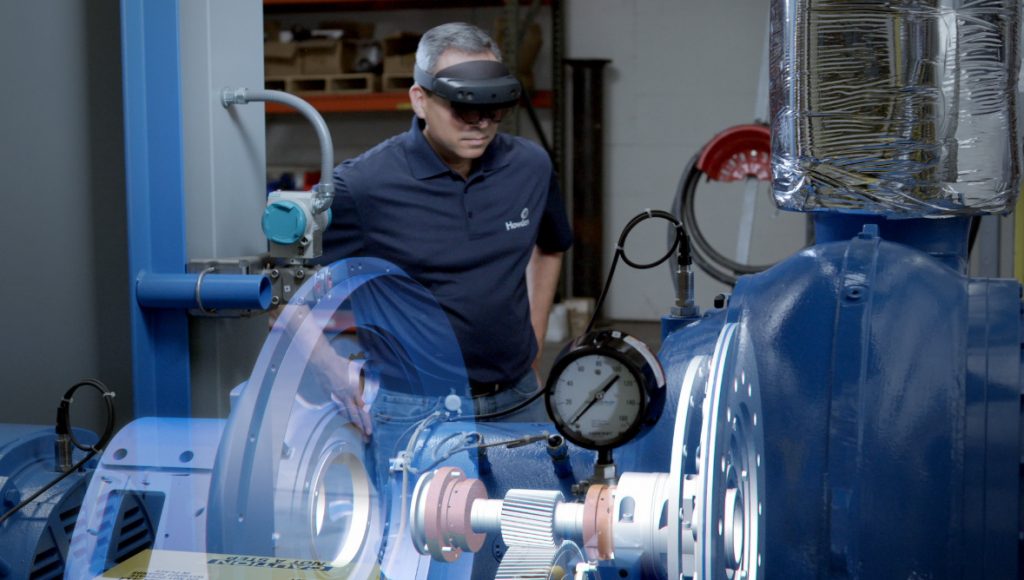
(605, 388)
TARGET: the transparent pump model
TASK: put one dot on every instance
(297, 479)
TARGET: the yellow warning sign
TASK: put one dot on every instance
(172, 565)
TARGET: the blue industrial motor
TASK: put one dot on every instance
(34, 541)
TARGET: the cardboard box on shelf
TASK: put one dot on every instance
(350, 29)
(323, 56)
(280, 59)
(399, 64)
(399, 59)
(400, 43)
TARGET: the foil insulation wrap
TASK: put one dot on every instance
(905, 108)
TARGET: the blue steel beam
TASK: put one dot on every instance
(156, 202)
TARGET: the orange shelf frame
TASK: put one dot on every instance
(375, 102)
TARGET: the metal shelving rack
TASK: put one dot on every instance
(399, 101)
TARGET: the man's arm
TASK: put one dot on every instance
(541, 281)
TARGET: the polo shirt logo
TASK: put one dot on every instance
(524, 221)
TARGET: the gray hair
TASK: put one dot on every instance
(459, 36)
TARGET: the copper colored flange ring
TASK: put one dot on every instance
(457, 511)
(448, 505)
(597, 522)
(435, 509)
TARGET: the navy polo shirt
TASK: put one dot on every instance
(467, 240)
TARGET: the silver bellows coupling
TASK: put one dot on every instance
(898, 107)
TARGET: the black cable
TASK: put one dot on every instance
(677, 210)
(680, 242)
(63, 428)
(520, 405)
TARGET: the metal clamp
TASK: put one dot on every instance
(199, 294)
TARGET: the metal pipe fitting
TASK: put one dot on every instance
(325, 189)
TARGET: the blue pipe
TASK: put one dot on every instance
(215, 292)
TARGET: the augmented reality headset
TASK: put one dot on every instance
(476, 83)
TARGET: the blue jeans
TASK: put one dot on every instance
(508, 398)
(396, 415)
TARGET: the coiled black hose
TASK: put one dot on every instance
(718, 266)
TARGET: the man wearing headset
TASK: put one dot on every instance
(474, 215)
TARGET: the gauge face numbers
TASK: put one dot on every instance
(596, 400)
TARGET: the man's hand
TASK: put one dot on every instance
(345, 381)
(342, 379)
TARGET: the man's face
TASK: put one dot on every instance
(454, 139)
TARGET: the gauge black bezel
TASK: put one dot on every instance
(611, 344)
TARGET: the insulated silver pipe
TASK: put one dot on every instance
(897, 108)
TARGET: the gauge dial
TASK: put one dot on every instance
(604, 389)
(598, 398)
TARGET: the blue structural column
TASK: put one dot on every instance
(156, 230)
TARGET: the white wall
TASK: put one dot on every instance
(681, 71)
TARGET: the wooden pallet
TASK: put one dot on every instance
(393, 82)
(341, 84)
(275, 84)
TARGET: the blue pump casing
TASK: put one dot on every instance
(891, 392)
